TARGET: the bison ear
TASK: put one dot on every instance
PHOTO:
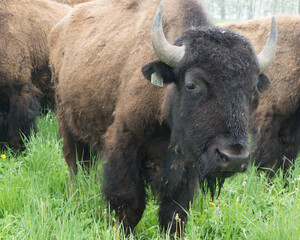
(158, 73)
(263, 83)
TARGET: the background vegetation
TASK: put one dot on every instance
(248, 9)
(36, 201)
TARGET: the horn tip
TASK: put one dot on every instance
(267, 55)
(273, 32)
(160, 6)
(158, 16)
(274, 22)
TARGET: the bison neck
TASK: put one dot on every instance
(165, 166)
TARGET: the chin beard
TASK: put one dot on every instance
(210, 184)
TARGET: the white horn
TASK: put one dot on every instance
(266, 56)
(167, 53)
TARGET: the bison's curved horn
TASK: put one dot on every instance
(167, 53)
(266, 56)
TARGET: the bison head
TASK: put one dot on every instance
(215, 74)
(19, 106)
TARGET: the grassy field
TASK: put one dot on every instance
(35, 202)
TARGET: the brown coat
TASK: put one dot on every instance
(71, 2)
(96, 70)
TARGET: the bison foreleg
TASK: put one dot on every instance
(75, 152)
(173, 210)
(123, 184)
(170, 175)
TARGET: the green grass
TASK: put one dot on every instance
(37, 203)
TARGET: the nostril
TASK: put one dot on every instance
(221, 156)
(231, 156)
(244, 167)
(231, 162)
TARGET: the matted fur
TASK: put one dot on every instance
(164, 137)
(275, 123)
(24, 71)
(71, 2)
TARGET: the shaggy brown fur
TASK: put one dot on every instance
(167, 137)
(96, 32)
(71, 2)
(275, 124)
(24, 53)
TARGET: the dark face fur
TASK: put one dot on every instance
(209, 102)
(19, 107)
(4, 111)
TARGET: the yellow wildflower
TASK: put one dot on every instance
(212, 204)
(3, 156)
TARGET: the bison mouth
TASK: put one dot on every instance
(225, 168)
(215, 166)
(220, 162)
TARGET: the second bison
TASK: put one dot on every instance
(275, 123)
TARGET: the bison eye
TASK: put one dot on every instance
(190, 87)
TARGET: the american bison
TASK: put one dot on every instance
(195, 126)
(275, 123)
(24, 72)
